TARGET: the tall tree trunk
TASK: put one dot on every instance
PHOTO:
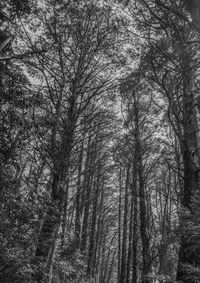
(111, 267)
(99, 234)
(135, 236)
(102, 259)
(119, 225)
(142, 198)
(125, 231)
(77, 199)
(61, 163)
(189, 253)
(88, 186)
(130, 242)
(134, 194)
(93, 226)
(143, 228)
(51, 255)
(64, 213)
(107, 267)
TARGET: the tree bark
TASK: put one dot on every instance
(189, 253)
(64, 213)
(130, 243)
(125, 231)
(60, 173)
(119, 225)
(91, 263)
(77, 200)
(135, 236)
(87, 184)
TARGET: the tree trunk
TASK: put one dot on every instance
(60, 173)
(135, 228)
(77, 200)
(51, 255)
(87, 184)
(143, 228)
(64, 213)
(99, 234)
(189, 253)
(93, 227)
(134, 194)
(125, 231)
(130, 242)
(142, 200)
(111, 267)
(119, 224)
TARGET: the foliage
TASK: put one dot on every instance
(99, 144)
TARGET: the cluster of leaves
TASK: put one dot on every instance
(110, 181)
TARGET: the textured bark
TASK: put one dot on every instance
(107, 267)
(51, 255)
(189, 253)
(88, 186)
(165, 223)
(53, 215)
(135, 228)
(77, 200)
(143, 229)
(102, 260)
(142, 200)
(111, 267)
(119, 224)
(91, 263)
(99, 234)
(61, 162)
(64, 212)
(125, 231)
(46, 232)
(130, 242)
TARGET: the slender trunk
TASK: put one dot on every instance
(84, 234)
(134, 195)
(92, 230)
(99, 234)
(111, 267)
(119, 229)
(106, 265)
(51, 255)
(189, 253)
(142, 200)
(124, 239)
(85, 194)
(143, 227)
(135, 243)
(130, 242)
(60, 173)
(64, 213)
(101, 267)
(77, 200)
(88, 184)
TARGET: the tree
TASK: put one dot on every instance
(99, 141)
(180, 92)
(71, 80)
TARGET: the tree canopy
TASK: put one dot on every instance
(99, 141)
